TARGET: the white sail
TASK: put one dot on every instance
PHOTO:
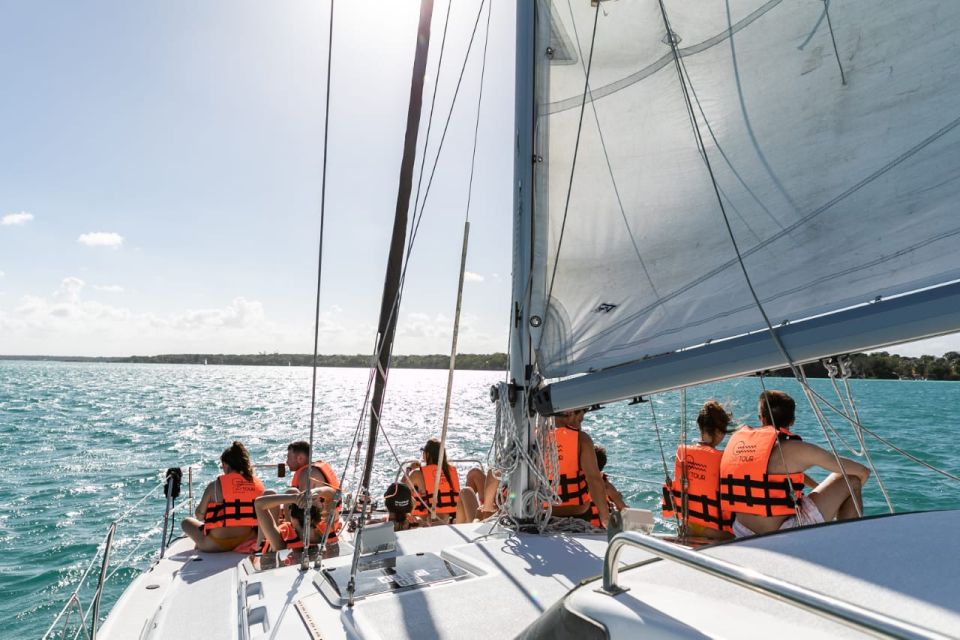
(839, 189)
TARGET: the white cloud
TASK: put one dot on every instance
(469, 276)
(101, 239)
(108, 288)
(16, 218)
(2, 274)
(64, 323)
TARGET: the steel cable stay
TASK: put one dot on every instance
(419, 214)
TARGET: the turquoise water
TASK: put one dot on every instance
(80, 444)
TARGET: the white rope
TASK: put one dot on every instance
(842, 367)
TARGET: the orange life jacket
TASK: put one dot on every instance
(745, 485)
(236, 510)
(702, 466)
(329, 477)
(595, 512)
(447, 497)
(289, 535)
(572, 487)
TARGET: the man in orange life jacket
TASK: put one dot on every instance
(321, 473)
(580, 480)
(288, 534)
(762, 475)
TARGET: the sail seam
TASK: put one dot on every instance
(786, 231)
(569, 103)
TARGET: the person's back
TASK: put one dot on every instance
(762, 475)
(693, 496)
(580, 482)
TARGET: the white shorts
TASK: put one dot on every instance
(807, 514)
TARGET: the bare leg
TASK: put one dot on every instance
(475, 480)
(848, 510)
(467, 506)
(833, 498)
(194, 529)
(490, 486)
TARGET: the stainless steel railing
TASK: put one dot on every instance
(838, 610)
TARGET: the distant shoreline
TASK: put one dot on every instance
(873, 366)
(465, 361)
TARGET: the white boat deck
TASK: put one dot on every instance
(903, 566)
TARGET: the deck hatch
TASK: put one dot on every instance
(401, 573)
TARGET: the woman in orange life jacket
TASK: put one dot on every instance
(614, 497)
(700, 464)
(225, 516)
(580, 482)
(763, 472)
(452, 503)
(289, 533)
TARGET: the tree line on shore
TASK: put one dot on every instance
(885, 366)
(880, 365)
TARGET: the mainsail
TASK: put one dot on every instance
(830, 144)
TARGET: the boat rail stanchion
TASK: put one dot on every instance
(171, 491)
(103, 576)
(852, 615)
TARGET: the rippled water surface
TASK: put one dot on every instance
(80, 444)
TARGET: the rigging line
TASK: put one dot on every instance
(684, 479)
(833, 39)
(573, 162)
(433, 102)
(843, 369)
(797, 370)
(652, 68)
(606, 157)
(881, 439)
(727, 160)
(316, 321)
(394, 309)
(395, 306)
(668, 488)
(436, 161)
(476, 128)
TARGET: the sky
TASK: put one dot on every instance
(160, 180)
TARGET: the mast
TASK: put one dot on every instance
(390, 304)
(523, 245)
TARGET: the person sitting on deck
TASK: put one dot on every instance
(694, 494)
(422, 479)
(298, 460)
(225, 516)
(399, 503)
(762, 475)
(289, 534)
(614, 497)
(580, 481)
